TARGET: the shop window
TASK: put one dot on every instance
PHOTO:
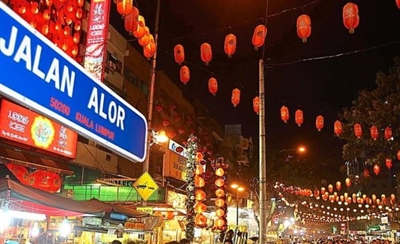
(144, 88)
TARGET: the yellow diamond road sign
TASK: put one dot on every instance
(145, 186)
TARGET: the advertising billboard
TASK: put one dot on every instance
(96, 38)
(175, 161)
(40, 76)
(27, 127)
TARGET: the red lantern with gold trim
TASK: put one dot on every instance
(337, 127)
(206, 53)
(219, 212)
(220, 222)
(350, 16)
(319, 122)
(184, 74)
(348, 182)
(213, 86)
(259, 34)
(284, 114)
(377, 169)
(256, 104)
(338, 185)
(199, 181)
(388, 163)
(220, 182)
(200, 207)
(200, 195)
(374, 132)
(124, 7)
(299, 118)
(219, 192)
(303, 27)
(388, 133)
(235, 99)
(230, 45)
(358, 130)
(179, 54)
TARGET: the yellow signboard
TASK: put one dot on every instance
(148, 210)
(145, 186)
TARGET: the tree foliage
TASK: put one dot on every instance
(381, 108)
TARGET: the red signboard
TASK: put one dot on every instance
(97, 37)
(25, 126)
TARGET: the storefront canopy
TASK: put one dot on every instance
(116, 208)
(27, 199)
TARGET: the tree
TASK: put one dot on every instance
(381, 108)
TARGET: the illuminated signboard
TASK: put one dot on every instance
(175, 161)
(24, 126)
(37, 74)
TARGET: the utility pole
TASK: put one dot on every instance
(262, 157)
(150, 106)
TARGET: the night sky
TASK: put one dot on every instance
(320, 77)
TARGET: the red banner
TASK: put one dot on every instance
(96, 40)
(27, 127)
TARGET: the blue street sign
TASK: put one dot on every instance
(35, 73)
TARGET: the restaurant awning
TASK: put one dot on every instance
(116, 208)
(27, 199)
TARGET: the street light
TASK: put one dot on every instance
(158, 137)
(238, 189)
(300, 149)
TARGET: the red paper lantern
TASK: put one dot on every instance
(220, 172)
(219, 192)
(200, 220)
(139, 32)
(199, 157)
(377, 169)
(337, 127)
(184, 74)
(319, 122)
(230, 44)
(220, 222)
(235, 99)
(330, 188)
(179, 54)
(374, 132)
(220, 182)
(200, 195)
(169, 215)
(284, 114)
(299, 118)
(256, 104)
(323, 190)
(388, 133)
(131, 20)
(124, 7)
(358, 130)
(350, 16)
(388, 163)
(366, 173)
(303, 27)
(200, 207)
(348, 182)
(219, 212)
(206, 53)
(219, 202)
(259, 34)
(398, 3)
(398, 155)
(199, 169)
(213, 86)
(338, 185)
(199, 181)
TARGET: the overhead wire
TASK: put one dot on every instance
(244, 23)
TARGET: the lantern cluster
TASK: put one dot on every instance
(200, 195)
(58, 20)
(135, 24)
(220, 168)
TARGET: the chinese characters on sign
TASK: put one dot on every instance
(29, 128)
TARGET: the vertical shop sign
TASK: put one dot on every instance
(96, 40)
